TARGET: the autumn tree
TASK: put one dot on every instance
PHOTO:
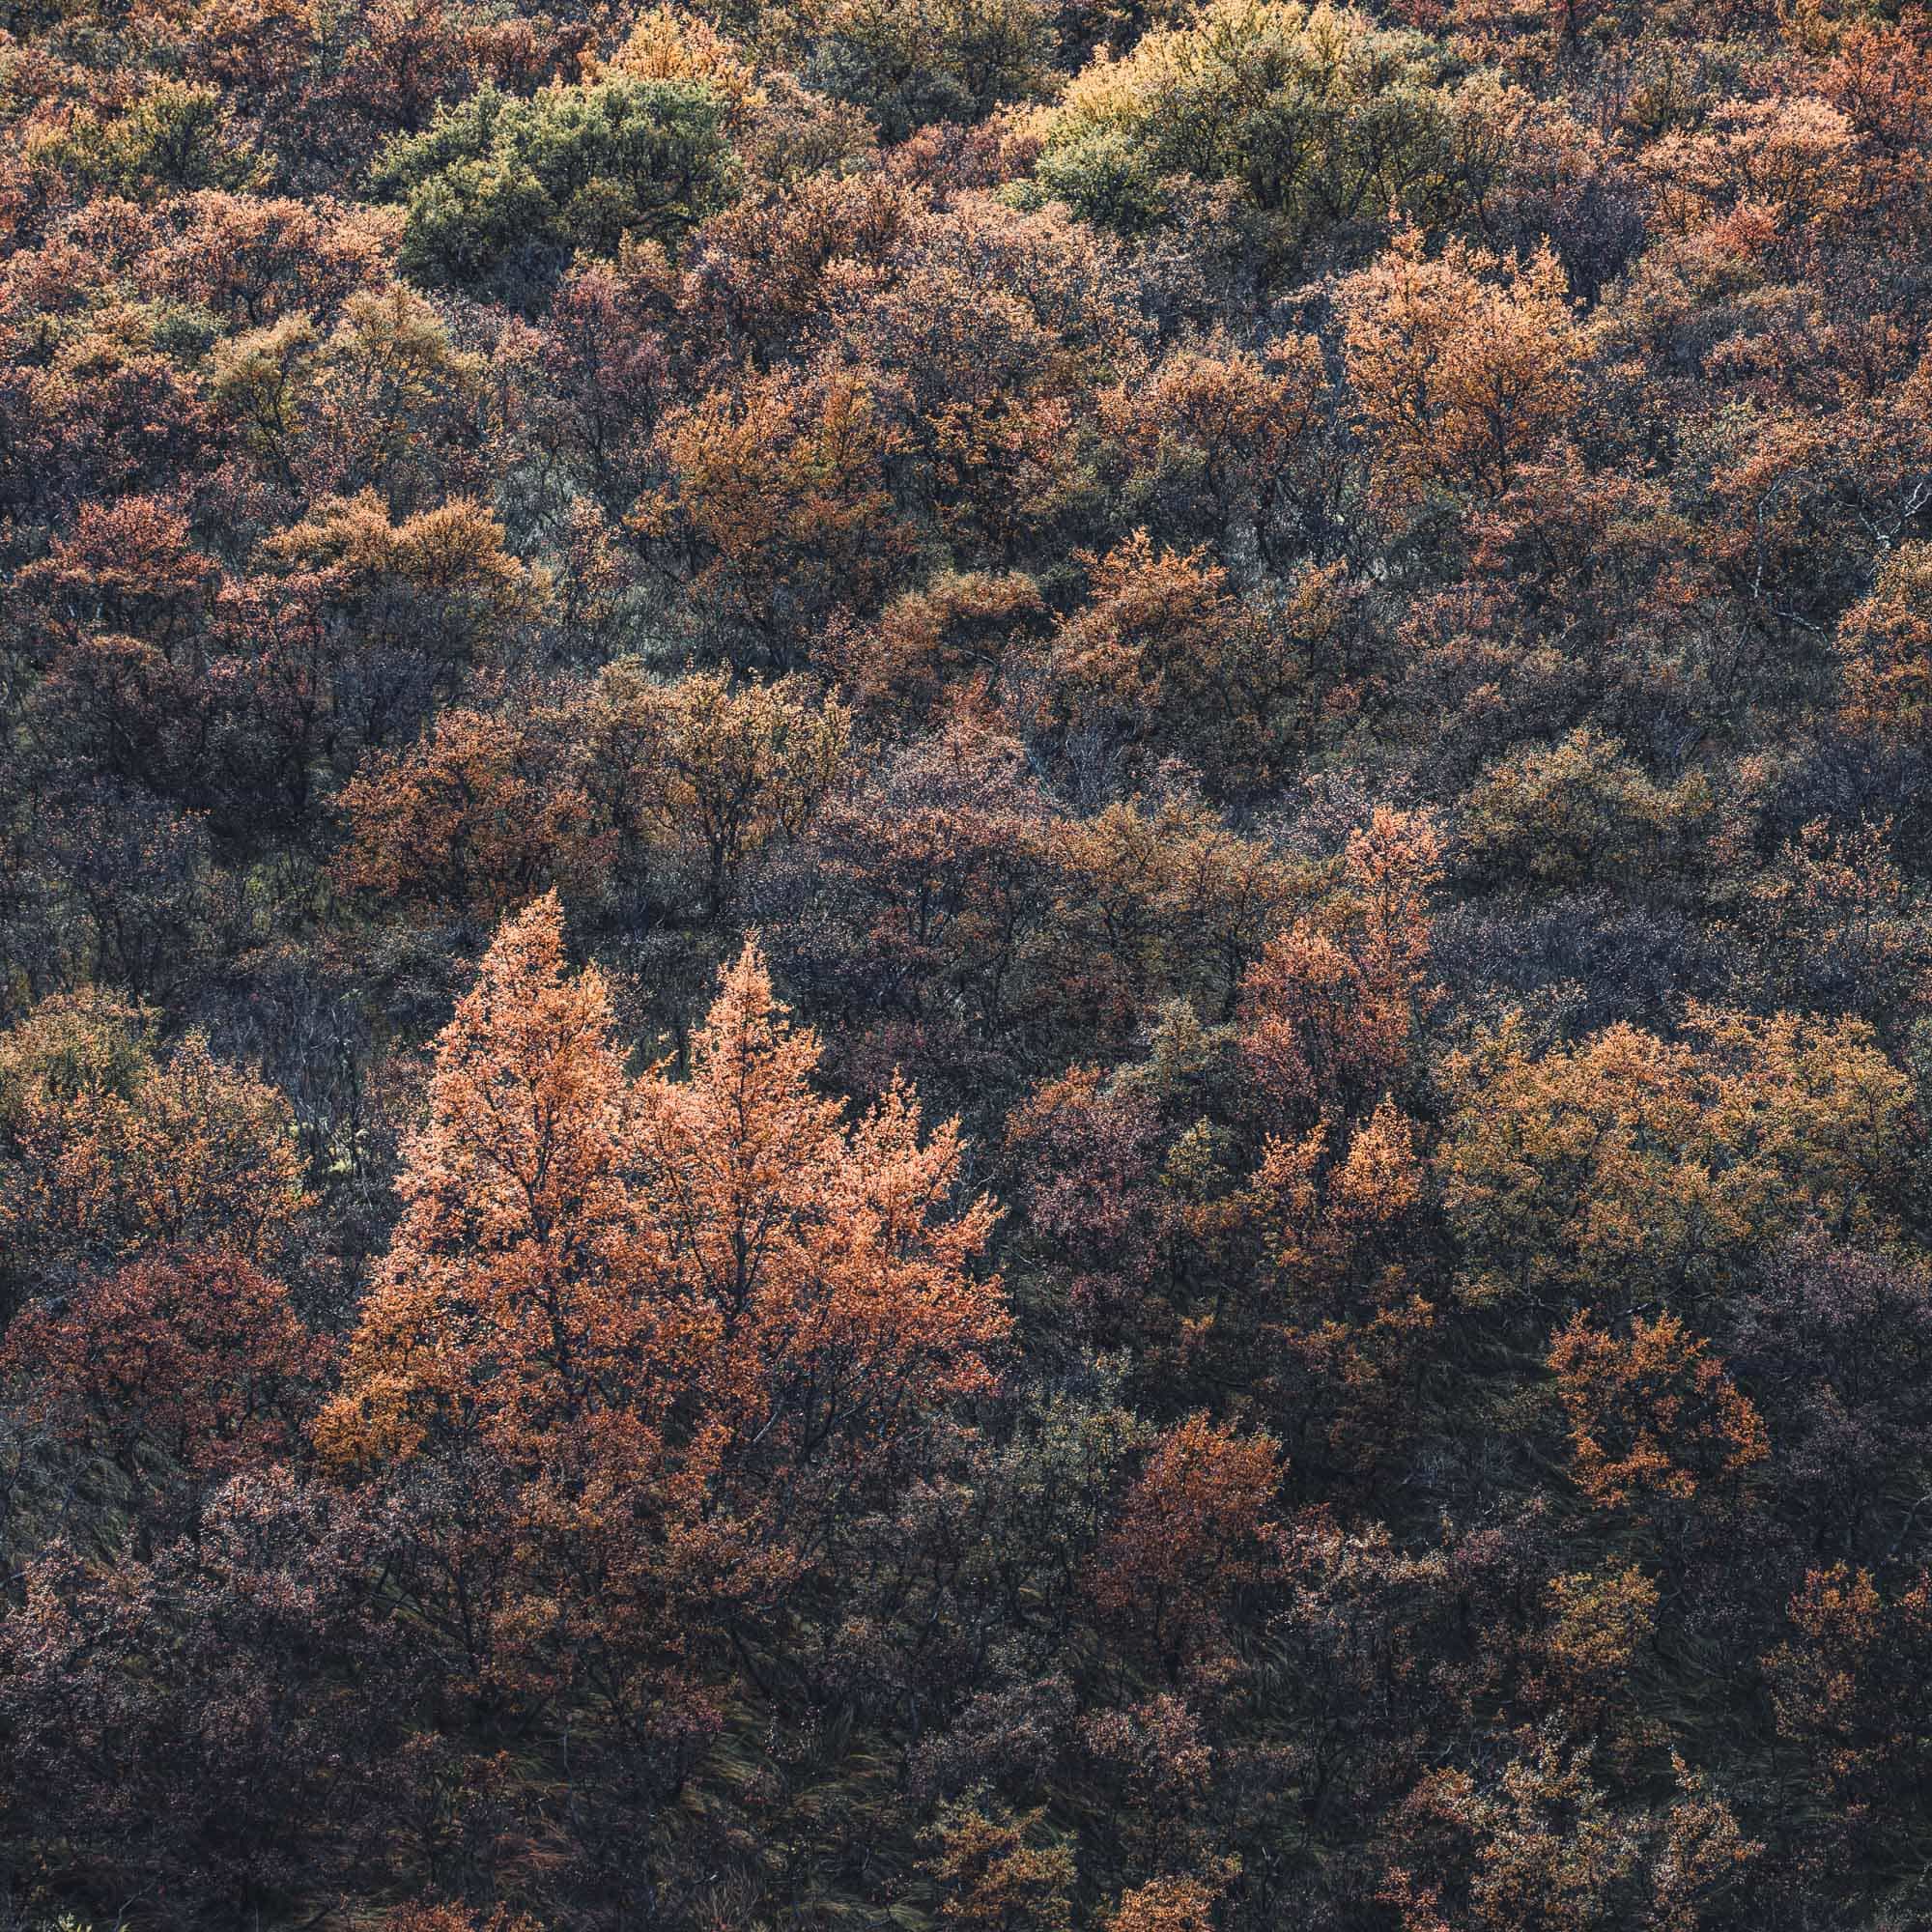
(1339, 1302)
(1165, 1905)
(373, 621)
(1193, 1533)
(1330, 1010)
(832, 1259)
(1839, 1685)
(1654, 1414)
(1091, 1153)
(1220, 446)
(333, 411)
(131, 569)
(1459, 376)
(1540, 1844)
(773, 513)
(509, 1302)
(931, 645)
(109, 1148)
(1601, 1622)
(981, 349)
(198, 1357)
(712, 1312)
(1581, 810)
(1839, 924)
(706, 777)
(915, 905)
(1165, 659)
(1160, 899)
(996, 1871)
(1883, 647)
(482, 813)
(1630, 1166)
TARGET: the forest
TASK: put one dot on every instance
(965, 966)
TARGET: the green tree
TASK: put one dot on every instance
(503, 192)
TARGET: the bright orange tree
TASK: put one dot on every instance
(687, 1326)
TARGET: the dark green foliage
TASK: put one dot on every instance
(501, 192)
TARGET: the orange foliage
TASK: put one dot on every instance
(107, 1150)
(1164, 1905)
(512, 1301)
(1329, 1011)
(1218, 441)
(995, 1874)
(1462, 376)
(1195, 1530)
(1845, 1686)
(1322, 1234)
(1164, 654)
(708, 775)
(1540, 1847)
(482, 813)
(1885, 650)
(775, 510)
(581, 1252)
(1652, 1415)
(1648, 1163)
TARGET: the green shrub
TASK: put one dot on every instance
(1318, 118)
(503, 192)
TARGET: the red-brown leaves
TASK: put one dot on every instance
(775, 512)
(1847, 1686)
(830, 1262)
(1330, 1009)
(1194, 1533)
(513, 1298)
(1461, 378)
(198, 1355)
(482, 813)
(107, 1150)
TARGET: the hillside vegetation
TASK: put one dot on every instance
(966, 966)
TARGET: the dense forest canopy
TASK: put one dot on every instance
(966, 965)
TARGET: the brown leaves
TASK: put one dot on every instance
(1001, 1871)
(1885, 650)
(705, 775)
(1195, 1531)
(509, 1302)
(776, 513)
(1847, 1686)
(483, 811)
(1164, 1905)
(1167, 662)
(1330, 1009)
(1459, 376)
(1539, 1846)
(106, 1150)
(829, 1258)
(1659, 1165)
